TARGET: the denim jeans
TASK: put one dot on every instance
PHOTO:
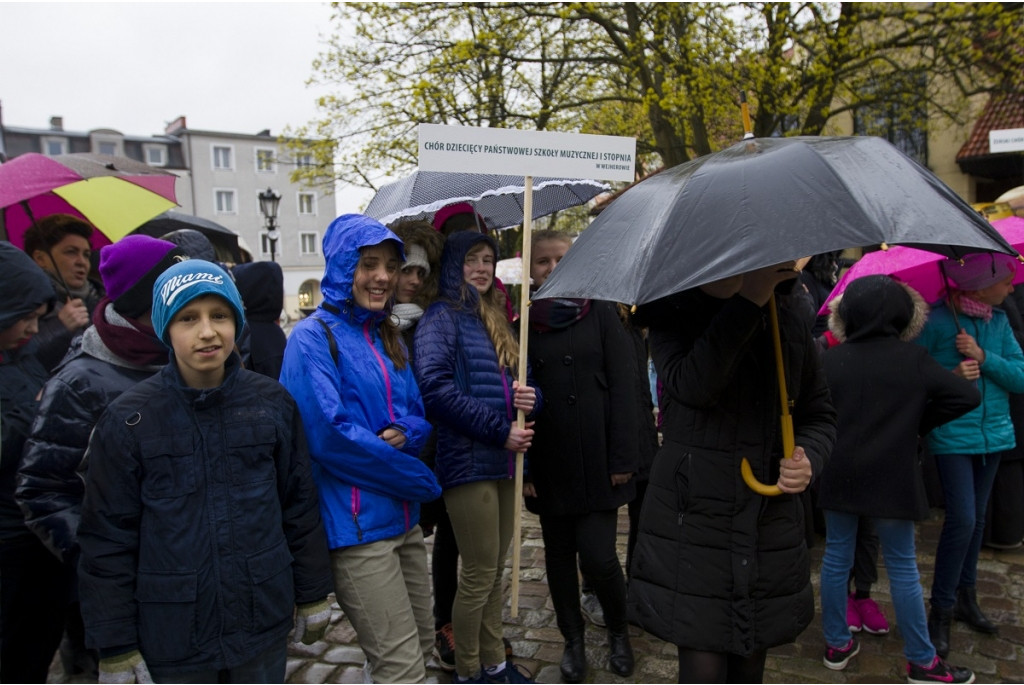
(897, 540)
(966, 484)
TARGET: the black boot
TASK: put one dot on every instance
(574, 661)
(967, 610)
(939, 621)
(621, 659)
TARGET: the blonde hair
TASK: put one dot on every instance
(495, 319)
(550, 234)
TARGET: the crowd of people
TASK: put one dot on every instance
(181, 486)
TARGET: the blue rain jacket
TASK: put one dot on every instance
(467, 393)
(369, 490)
(988, 428)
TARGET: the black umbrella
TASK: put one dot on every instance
(759, 203)
(224, 240)
(763, 202)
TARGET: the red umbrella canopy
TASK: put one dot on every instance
(114, 194)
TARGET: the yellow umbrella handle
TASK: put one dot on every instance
(788, 438)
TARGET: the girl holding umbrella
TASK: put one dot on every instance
(974, 340)
(719, 570)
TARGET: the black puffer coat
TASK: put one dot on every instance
(261, 285)
(50, 489)
(647, 428)
(201, 526)
(718, 567)
(54, 339)
(887, 391)
(587, 430)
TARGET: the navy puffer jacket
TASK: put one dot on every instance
(467, 393)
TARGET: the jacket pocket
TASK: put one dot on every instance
(251, 453)
(273, 589)
(168, 464)
(167, 614)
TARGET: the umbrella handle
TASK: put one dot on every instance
(788, 436)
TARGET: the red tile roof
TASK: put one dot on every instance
(1002, 111)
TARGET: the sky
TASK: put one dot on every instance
(135, 67)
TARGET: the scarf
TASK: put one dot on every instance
(556, 313)
(123, 342)
(405, 316)
(63, 293)
(978, 310)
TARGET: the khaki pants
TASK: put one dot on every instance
(384, 590)
(481, 515)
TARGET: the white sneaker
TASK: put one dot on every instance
(592, 609)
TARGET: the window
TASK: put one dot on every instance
(308, 243)
(223, 157)
(108, 148)
(224, 201)
(265, 244)
(265, 160)
(304, 161)
(55, 146)
(307, 203)
(156, 155)
(309, 294)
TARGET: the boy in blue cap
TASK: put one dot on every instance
(200, 528)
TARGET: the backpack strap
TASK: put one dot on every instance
(331, 343)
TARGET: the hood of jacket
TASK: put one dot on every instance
(25, 286)
(875, 308)
(451, 280)
(344, 238)
(261, 285)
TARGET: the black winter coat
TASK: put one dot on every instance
(647, 427)
(24, 287)
(261, 285)
(54, 339)
(201, 526)
(587, 429)
(887, 392)
(1014, 308)
(716, 566)
(50, 489)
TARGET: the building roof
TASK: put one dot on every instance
(61, 133)
(1002, 111)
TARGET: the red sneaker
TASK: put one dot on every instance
(853, 619)
(871, 616)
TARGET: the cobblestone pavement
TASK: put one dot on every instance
(538, 644)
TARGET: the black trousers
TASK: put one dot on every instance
(864, 573)
(444, 563)
(35, 588)
(591, 537)
(1005, 519)
(696, 666)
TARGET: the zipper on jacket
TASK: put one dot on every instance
(383, 369)
(511, 415)
(355, 513)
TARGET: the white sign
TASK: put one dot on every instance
(470, 150)
(1006, 140)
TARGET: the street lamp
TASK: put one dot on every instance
(269, 200)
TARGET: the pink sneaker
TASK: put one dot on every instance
(853, 619)
(872, 618)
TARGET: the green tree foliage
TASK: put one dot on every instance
(668, 74)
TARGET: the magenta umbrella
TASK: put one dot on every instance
(920, 269)
(114, 194)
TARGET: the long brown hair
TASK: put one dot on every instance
(495, 319)
(421, 233)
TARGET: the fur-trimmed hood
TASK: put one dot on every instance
(876, 307)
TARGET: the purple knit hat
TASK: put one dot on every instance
(980, 270)
(130, 267)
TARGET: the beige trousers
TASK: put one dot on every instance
(384, 589)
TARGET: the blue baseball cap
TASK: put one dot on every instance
(184, 282)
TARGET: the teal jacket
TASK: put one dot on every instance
(986, 429)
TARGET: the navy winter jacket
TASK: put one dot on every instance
(25, 288)
(369, 490)
(200, 526)
(467, 393)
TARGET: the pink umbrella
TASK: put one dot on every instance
(114, 194)
(920, 269)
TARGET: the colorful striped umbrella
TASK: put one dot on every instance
(114, 194)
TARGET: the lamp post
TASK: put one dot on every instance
(269, 200)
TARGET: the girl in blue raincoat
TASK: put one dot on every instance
(348, 370)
